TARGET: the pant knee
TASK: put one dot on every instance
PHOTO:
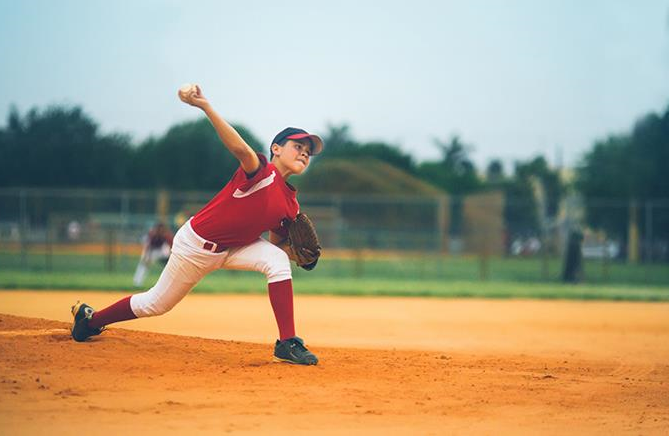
(277, 268)
(145, 305)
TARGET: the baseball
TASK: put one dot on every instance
(186, 90)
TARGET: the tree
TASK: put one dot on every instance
(521, 216)
(338, 140)
(455, 172)
(495, 172)
(627, 168)
(61, 146)
(189, 156)
(549, 182)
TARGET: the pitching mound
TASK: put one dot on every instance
(148, 383)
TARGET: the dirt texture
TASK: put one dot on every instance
(527, 367)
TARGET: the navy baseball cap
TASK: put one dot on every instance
(295, 133)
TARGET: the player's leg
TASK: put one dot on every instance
(270, 260)
(142, 269)
(186, 266)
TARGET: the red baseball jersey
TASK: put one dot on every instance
(247, 207)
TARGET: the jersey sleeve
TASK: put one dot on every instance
(262, 169)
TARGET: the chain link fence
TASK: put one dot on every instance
(484, 236)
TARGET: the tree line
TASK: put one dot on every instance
(62, 146)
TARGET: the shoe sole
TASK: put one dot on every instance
(278, 359)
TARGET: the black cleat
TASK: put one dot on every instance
(292, 350)
(82, 312)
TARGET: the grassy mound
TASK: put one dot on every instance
(364, 176)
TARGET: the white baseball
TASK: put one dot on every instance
(186, 90)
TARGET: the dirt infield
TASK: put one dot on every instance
(388, 365)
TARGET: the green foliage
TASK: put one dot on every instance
(520, 208)
(604, 175)
(61, 146)
(626, 168)
(189, 156)
(548, 181)
(495, 172)
(455, 172)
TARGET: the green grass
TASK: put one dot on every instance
(223, 282)
(406, 276)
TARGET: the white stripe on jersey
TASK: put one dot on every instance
(263, 183)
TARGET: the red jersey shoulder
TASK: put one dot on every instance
(263, 177)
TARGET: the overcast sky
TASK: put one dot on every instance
(513, 78)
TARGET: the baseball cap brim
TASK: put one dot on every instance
(316, 141)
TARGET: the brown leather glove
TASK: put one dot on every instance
(303, 244)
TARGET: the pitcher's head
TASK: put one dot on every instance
(292, 148)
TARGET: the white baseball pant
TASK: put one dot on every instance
(190, 262)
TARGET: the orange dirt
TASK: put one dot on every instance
(388, 366)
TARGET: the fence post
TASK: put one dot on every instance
(649, 231)
(125, 209)
(633, 234)
(23, 224)
(48, 247)
(336, 200)
(110, 250)
(442, 223)
(163, 204)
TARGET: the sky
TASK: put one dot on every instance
(513, 78)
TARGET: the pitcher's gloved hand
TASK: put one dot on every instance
(302, 245)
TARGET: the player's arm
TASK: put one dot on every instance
(231, 139)
(282, 243)
(276, 238)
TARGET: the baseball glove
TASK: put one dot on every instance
(303, 244)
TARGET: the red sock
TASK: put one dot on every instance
(119, 311)
(281, 297)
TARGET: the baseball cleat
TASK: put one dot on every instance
(82, 312)
(292, 350)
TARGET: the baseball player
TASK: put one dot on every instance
(226, 233)
(156, 247)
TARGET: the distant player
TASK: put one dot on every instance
(156, 248)
(226, 234)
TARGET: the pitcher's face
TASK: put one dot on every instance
(295, 155)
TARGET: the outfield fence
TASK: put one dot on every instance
(363, 235)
